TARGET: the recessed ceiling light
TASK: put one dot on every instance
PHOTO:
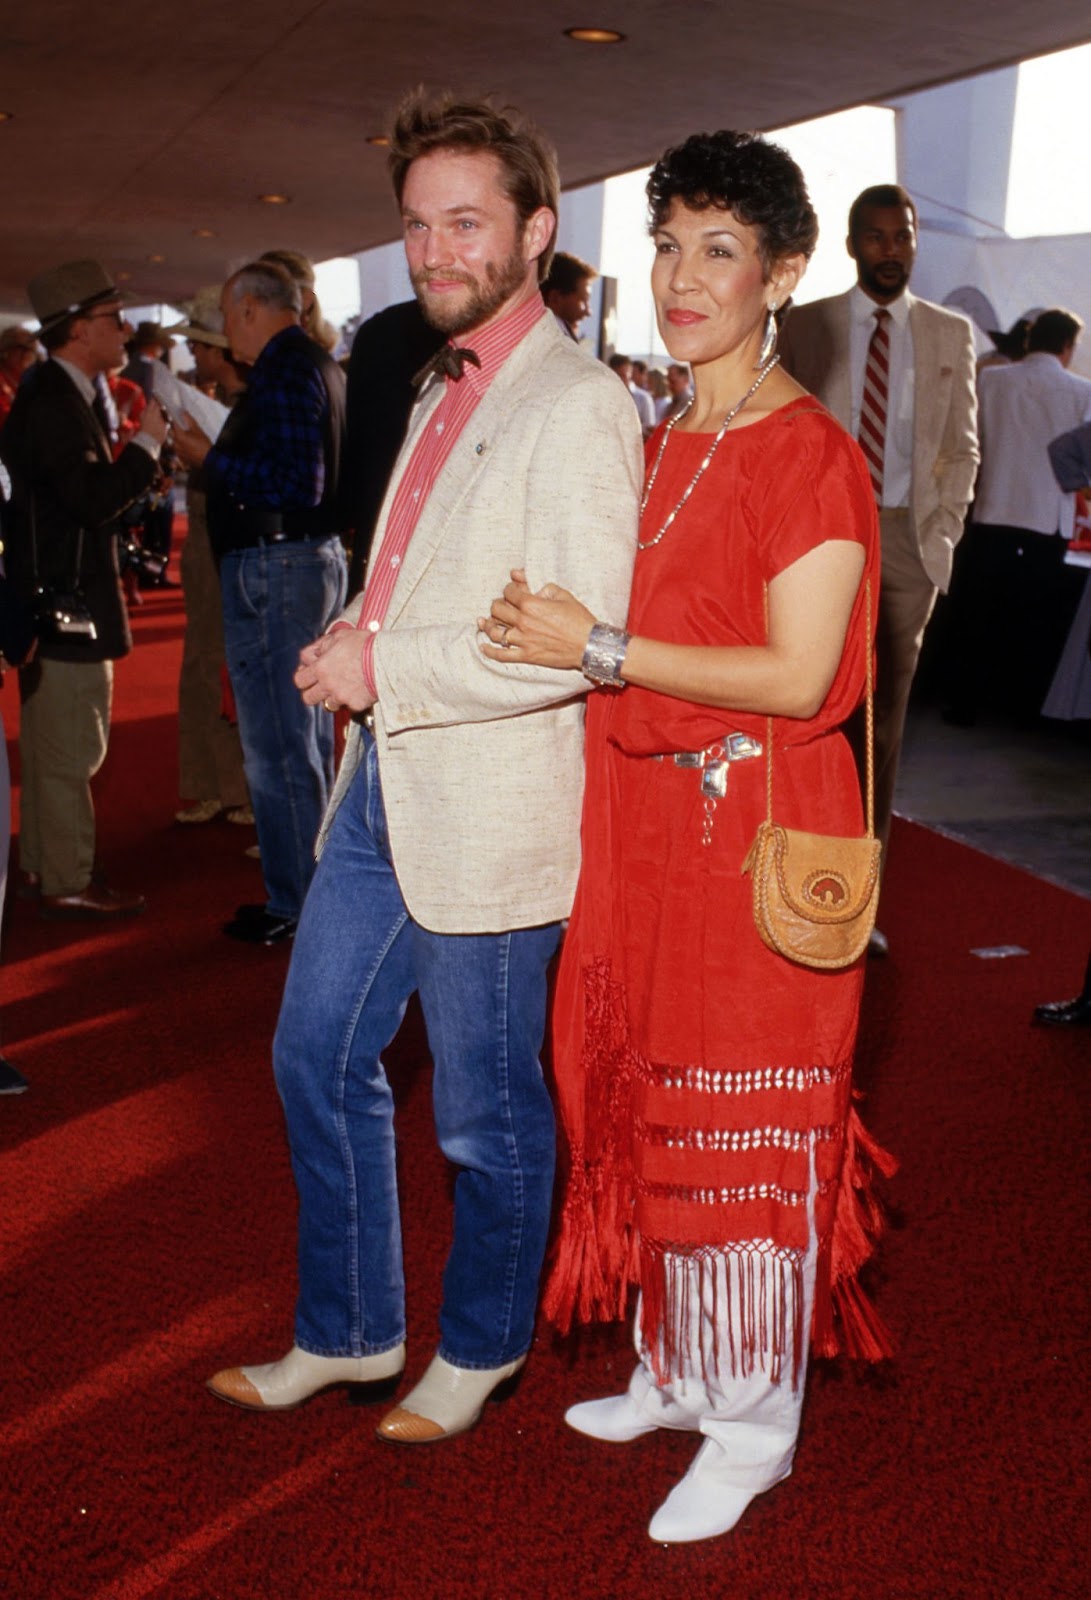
(380, 139)
(594, 35)
(274, 199)
(204, 233)
(157, 259)
(7, 116)
(122, 277)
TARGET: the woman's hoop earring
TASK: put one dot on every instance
(769, 336)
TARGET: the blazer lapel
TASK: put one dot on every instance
(89, 422)
(926, 364)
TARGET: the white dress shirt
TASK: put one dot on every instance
(1022, 408)
(898, 454)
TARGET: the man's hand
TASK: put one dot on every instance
(189, 441)
(331, 672)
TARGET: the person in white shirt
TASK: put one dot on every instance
(1015, 598)
(927, 456)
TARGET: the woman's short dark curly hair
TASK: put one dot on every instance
(743, 173)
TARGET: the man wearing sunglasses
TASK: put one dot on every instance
(61, 553)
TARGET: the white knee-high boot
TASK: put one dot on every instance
(749, 1422)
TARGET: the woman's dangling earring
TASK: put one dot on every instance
(769, 337)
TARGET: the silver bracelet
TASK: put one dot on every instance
(604, 654)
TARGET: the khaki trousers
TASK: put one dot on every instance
(209, 751)
(65, 727)
(906, 598)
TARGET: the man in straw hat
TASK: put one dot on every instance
(61, 553)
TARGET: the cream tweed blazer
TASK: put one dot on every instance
(481, 763)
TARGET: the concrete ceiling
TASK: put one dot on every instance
(133, 127)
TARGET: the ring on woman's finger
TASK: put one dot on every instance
(506, 629)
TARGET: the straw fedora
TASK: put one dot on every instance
(204, 319)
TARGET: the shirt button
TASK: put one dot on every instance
(439, 427)
(373, 626)
(395, 561)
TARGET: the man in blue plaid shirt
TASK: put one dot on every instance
(273, 519)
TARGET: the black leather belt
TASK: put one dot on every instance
(259, 541)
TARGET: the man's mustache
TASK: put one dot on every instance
(420, 280)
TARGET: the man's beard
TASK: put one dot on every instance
(884, 286)
(484, 300)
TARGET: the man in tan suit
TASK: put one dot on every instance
(451, 848)
(923, 454)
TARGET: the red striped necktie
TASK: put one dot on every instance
(873, 405)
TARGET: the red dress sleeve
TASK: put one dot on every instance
(827, 495)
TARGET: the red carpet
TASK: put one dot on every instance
(148, 1239)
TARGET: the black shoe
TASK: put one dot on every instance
(11, 1082)
(1065, 1013)
(250, 913)
(266, 928)
(877, 945)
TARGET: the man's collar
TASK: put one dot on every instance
(864, 307)
(494, 343)
(79, 378)
(281, 335)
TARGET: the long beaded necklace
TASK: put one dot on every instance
(646, 544)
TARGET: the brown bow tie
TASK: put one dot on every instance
(448, 362)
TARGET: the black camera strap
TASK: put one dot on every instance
(32, 502)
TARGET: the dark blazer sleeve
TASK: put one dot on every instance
(64, 458)
(388, 350)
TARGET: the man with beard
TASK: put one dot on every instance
(451, 847)
(898, 373)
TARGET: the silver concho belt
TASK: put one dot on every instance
(713, 763)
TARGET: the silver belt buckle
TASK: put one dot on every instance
(741, 747)
(714, 780)
(713, 762)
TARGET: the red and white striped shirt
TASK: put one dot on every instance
(492, 345)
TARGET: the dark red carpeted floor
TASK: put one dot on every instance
(147, 1239)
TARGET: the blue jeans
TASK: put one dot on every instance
(276, 599)
(358, 957)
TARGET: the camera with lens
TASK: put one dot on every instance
(62, 615)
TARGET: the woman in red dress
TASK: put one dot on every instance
(705, 1081)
